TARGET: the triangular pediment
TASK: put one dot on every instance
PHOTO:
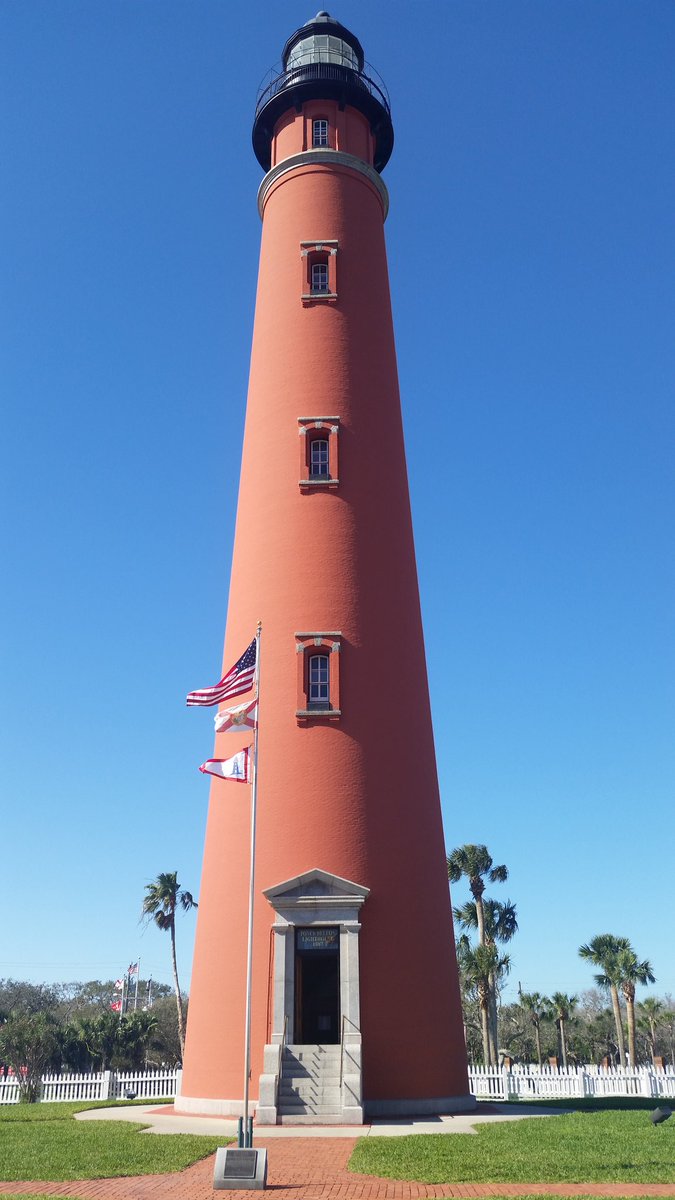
(316, 884)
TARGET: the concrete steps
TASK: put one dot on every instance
(309, 1088)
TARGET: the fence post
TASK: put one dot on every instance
(107, 1088)
(179, 1081)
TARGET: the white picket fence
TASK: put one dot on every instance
(487, 1083)
(101, 1085)
(530, 1082)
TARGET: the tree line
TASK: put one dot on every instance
(567, 1028)
(72, 1026)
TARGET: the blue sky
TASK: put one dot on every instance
(531, 254)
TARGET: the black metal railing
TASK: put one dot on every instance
(320, 71)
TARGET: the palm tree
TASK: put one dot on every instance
(650, 1011)
(164, 895)
(100, 1035)
(603, 951)
(475, 863)
(536, 1006)
(632, 971)
(499, 925)
(478, 964)
(135, 1034)
(562, 1007)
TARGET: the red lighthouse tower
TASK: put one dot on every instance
(355, 998)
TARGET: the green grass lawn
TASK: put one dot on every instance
(581, 1147)
(588, 1103)
(43, 1141)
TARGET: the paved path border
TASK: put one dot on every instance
(302, 1168)
(164, 1119)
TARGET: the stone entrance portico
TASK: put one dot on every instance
(315, 899)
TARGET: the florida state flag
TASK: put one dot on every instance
(231, 720)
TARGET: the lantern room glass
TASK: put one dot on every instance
(321, 48)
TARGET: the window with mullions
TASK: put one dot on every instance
(319, 277)
(320, 132)
(318, 458)
(318, 689)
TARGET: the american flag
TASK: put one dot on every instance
(239, 679)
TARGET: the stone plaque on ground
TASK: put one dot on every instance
(240, 1169)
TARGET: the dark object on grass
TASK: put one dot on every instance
(129, 1095)
(660, 1115)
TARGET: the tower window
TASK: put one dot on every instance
(320, 276)
(319, 271)
(318, 676)
(318, 453)
(318, 458)
(320, 132)
(318, 691)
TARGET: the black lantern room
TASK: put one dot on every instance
(323, 60)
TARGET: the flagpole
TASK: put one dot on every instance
(249, 962)
(138, 975)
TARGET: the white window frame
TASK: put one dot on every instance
(320, 283)
(320, 132)
(319, 459)
(318, 689)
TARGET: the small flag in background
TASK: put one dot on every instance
(231, 720)
(119, 985)
(238, 680)
(237, 768)
(116, 1006)
(132, 968)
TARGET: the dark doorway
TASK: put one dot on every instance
(317, 986)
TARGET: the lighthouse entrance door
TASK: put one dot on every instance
(314, 993)
(317, 985)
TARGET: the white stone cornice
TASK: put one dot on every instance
(329, 158)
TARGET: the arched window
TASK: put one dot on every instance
(320, 132)
(318, 676)
(320, 276)
(319, 271)
(318, 458)
(318, 684)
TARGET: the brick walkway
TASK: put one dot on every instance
(315, 1169)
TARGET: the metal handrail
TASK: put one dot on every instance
(283, 1043)
(342, 1049)
(322, 71)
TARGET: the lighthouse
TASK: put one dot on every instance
(355, 1005)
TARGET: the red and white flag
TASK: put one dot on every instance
(132, 969)
(231, 720)
(239, 679)
(116, 1006)
(119, 985)
(237, 768)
